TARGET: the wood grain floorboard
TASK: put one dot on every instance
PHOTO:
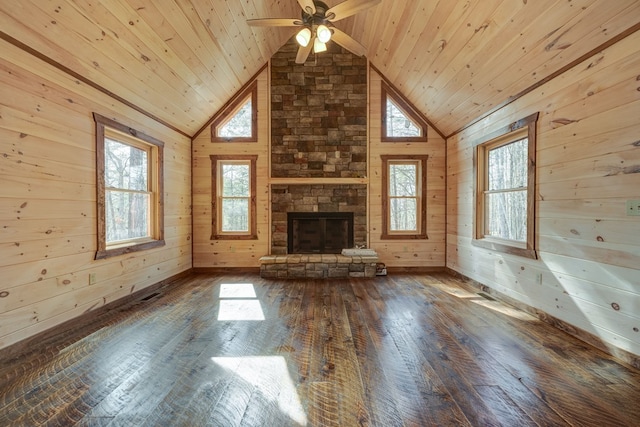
(238, 350)
(573, 382)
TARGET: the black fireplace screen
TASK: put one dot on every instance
(319, 232)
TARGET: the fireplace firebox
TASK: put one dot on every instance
(319, 232)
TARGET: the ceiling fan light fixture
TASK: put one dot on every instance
(303, 37)
(318, 46)
(323, 33)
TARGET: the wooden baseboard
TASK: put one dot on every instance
(256, 270)
(621, 355)
(226, 270)
(70, 327)
(415, 270)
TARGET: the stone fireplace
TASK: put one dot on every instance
(318, 135)
(328, 201)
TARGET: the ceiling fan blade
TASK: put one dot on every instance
(347, 42)
(348, 8)
(303, 53)
(307, 6)
(274, 22)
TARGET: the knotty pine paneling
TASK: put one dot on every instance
(209, 253)
(180, 60)
(410, 252)
(48, 200)
(588, 271)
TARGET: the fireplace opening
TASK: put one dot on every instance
(319, 232)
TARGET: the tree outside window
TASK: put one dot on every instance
(238, 122)
(506, 191)
(233, 198)
(127, 194)
(400, 120)
(403, 196)
(505, 182)
(403, 199)
(129, 180)
(399, 125)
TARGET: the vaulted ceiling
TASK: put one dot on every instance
(181, 60)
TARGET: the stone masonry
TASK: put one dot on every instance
(318, 114)
(316, 198)
(317, 266)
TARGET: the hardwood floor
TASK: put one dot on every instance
(238, 350)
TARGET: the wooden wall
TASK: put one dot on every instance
(246, 253)
(406, 253)
(48, 200)
(588, 166)
(209, 253)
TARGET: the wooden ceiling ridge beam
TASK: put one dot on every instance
(231, 100)
(615, 39)
(399, 92)
(28, 49)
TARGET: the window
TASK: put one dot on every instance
(238, 121)
(129, 185)
(400, 121)
(404, 204)
(505, 189)
(234, 198)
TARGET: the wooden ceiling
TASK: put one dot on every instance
(181, 60)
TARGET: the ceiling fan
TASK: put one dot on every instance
(317, 26)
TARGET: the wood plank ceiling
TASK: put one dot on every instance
(181, 60)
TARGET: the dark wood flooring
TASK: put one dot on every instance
(237, 350)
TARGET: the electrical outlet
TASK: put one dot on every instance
(633, 207)
(539, 278)
(92, 278)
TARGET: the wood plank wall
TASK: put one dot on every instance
(209, 253)
(588, 164)
(406, 253)
(48, 200)
(246, 253)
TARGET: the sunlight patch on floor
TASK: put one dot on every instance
(270, 375)
(240, 309)
(505, 309)
(238, 302)
(237, 290)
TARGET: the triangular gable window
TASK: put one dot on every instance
(400, 122)
(237, 122)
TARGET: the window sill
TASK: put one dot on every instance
(234, 237)
(404, 139)
(387, 236)
(505, 247)
(117, 250)
(231, 139)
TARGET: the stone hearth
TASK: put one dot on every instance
(317, 266)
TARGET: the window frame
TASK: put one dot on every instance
(421, 205)
(516, 131)
(216, 205)
(108, 128)
(403, 105)
(227, 113)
